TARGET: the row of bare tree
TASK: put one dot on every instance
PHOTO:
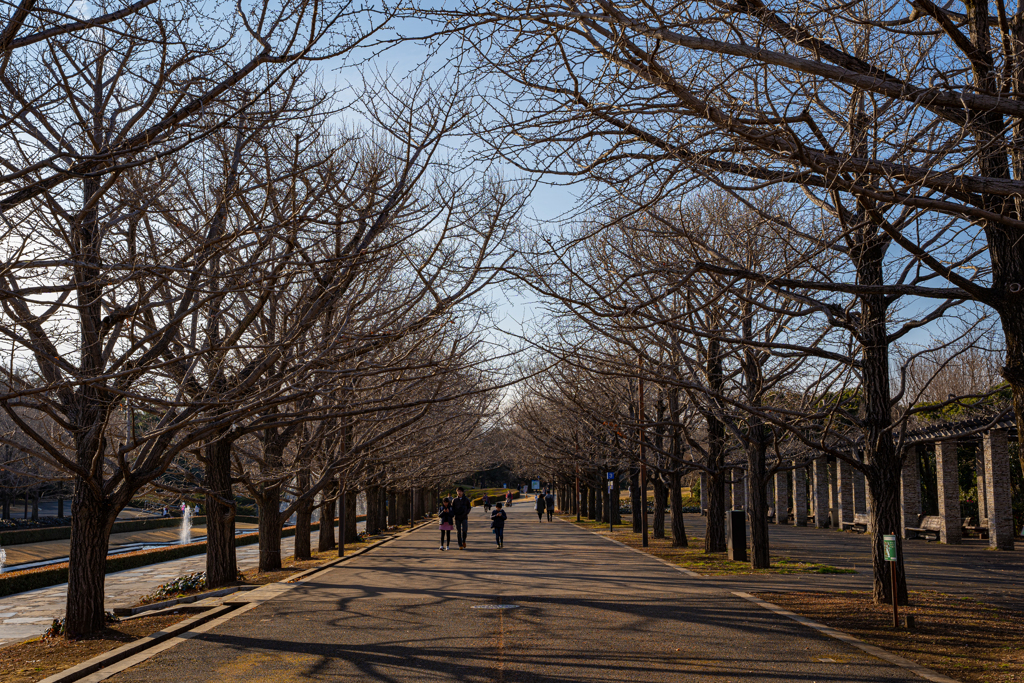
(728, 370)
(213, 285)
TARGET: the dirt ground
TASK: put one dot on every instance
(960, 637)
(41, 657)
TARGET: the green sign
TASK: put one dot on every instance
(889, 545)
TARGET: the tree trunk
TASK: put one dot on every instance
(382, 508)
(35, 507)
(372, 510)
(303, 518)
(678, 526)
(270, 524)
(635, 501)
(757, 507)
(91, 521)
(660, 495)
(327, 512)
(714, 538)
(221, 564)
(351, 534)
(592, 504)
(393, 518)
(60, 507)
(599, 503)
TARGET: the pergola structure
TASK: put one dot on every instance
(839, 497)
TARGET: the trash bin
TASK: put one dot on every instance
(736, 534)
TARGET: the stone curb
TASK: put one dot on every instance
(110, 663)
(902, 662)
(82, 670)
(133, 611)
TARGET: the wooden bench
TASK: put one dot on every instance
(968, 527)
(859, 524)
(929, 527)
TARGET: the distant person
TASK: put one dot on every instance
(508, 499)
(461, 507)
(549, 503)
(447, 519)
(540, 507)
(487, 503)
(165, 513)
(498, 518)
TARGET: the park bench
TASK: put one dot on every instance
(859, 524)
(968, 527)
(928, 527)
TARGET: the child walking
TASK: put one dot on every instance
(498, 518)
(447, 518)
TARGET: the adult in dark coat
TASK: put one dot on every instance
(540, 506)
(461, 507)
(549, 503)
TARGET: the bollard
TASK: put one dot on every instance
(736, 535)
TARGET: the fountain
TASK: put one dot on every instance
(185, 535)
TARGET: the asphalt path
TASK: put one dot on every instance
(584, 609)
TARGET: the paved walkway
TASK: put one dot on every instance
(585, 610)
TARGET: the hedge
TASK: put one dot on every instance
(477, 502)
(41, 577)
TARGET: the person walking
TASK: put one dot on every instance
(461, 507)
(549, 503)
(487, 504)
(498, 518)
(508, 499)
(540, 507)
(446, 518)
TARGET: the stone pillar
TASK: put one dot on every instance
(739, 490)
(781, 497)
(844, 491)
(800, 497)
(948, 491)
(910, 489)
(703, 493)
(997, 490)
(821, 508)
(833, 494)
(979, 471)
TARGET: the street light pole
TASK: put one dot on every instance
(643, 461)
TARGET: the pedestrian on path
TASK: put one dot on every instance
(539, 505)
(446, 517)
(487, 503)
(549, 503)
(508, 499)
(461, 507)
(498, 518)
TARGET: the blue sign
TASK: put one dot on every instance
(611, 475)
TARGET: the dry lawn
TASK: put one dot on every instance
(960, 637)
(695, 559)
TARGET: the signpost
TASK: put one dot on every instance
(611, 490)
(889, 554)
